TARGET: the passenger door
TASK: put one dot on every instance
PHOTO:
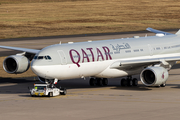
(62, 57)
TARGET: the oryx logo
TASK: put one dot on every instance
(163, 75)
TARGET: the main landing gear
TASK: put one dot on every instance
(129, 81)
(98, 82)
(104, 81)
(163, 85)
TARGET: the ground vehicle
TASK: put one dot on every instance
(46, 90)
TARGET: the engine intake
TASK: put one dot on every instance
(154, 76)
(16, 64)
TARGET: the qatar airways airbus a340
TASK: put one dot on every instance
(151, 57)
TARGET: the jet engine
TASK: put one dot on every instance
(16, 64)
(154, 76)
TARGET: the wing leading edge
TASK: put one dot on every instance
(129, 64)
(33, 51)
(158, 31)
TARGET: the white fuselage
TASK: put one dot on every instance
(94, 59)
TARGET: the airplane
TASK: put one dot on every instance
(151, 57)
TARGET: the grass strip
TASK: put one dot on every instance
(32, 18)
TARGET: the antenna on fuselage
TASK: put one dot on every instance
(60, 42)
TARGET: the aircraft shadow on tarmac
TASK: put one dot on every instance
(146, 88)
(14, 85)
(176, 86)
(134, 88)
(176, 66)
(14, 80)
(19, 86)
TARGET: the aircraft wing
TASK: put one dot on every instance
(158, 31)
(132, 64)
(34, 51)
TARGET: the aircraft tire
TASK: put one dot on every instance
(105, 81)
(163, 85)
(135, 82)
(123, 82)
(92, 82)
(99, 82)
(129, 82)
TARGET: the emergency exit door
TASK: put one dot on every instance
(150, 49)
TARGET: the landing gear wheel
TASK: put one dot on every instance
(99, 82)
(64, 91)
(135, 82)
(92, 82)
(163, 85)
(105, 81)
(129, 82)
(123, 82)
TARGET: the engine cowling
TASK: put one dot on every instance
(154, 76)
(16, 64)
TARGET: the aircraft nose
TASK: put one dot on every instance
(40, 69)
(37, 69)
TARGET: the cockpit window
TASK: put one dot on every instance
(35, 57)
(42, 57)
(46, 57)
(49, 57)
